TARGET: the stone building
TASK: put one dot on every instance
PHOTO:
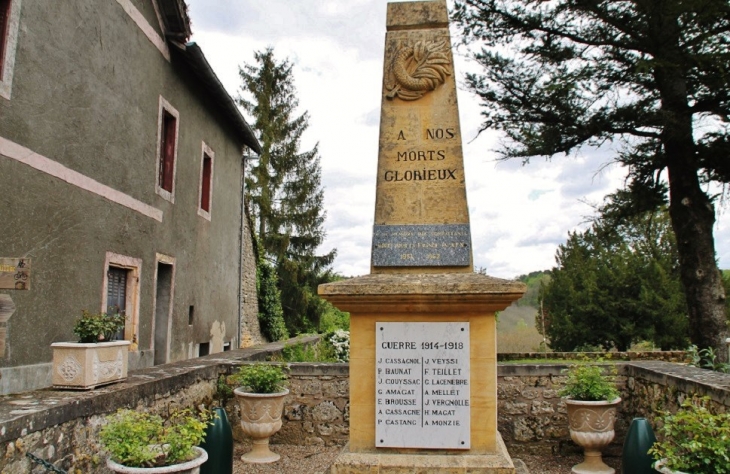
(121, 174)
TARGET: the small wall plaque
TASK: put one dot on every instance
(422, 385)
(14, 274)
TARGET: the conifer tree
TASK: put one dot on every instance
(285, 191)
(651, 76)
(616, 284)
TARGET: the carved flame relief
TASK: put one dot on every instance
(418, 69)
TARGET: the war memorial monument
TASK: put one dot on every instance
(423, 355)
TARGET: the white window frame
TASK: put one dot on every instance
(6, 81)
(207, 151)
(165, 106)
(134, 269)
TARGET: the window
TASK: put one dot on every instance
(116, 292)
(203, 349)
(121, 292)
(206, 182)
(4, 27)
(167, 150)
(9, 22)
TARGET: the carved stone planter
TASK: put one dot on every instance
(83, 366)
(591, 427)
(189, 467)
(260, 419)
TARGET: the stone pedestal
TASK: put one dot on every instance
(423, 396)
(451, 297)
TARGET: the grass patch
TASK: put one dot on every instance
(322, 351)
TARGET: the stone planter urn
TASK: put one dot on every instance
(591, 427)
(260, 419)
(84, 366)
(189, 467)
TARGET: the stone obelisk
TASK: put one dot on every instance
(421, 212)
(423, 359)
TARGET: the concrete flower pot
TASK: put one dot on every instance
(260, 419)
(189, 467)
(591, 427)
(84, 366)
(660, 467)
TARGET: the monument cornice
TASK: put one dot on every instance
(440, 293)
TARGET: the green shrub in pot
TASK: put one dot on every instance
(694, 440)
(99, 327)
(260, 400)
(144, 440)
(591, 399)
(588, 382)
(261, 378)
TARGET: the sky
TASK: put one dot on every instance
(519, 214)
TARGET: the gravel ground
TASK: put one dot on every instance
(560, 464)
(318, 459)
(294, 459)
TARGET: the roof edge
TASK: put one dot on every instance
(193, 55)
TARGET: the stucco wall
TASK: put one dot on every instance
(86, 95)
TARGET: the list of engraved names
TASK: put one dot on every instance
(422, 389)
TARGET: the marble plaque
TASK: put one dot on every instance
(422, 385)
(447, 245)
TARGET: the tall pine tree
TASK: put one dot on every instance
(285, 190)
(651, 76)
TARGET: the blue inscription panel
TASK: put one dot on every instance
(437, 245)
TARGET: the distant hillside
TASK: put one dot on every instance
(516, 325)
(533, 281)
(516, 330)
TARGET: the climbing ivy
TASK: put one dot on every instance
(271, 315)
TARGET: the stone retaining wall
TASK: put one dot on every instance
(532, 417)
(667, 356)
(62, 427)
(654, 387)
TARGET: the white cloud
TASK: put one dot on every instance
(519, 214)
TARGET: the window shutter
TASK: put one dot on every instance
(205, 187)
(4, 19)
(167, 165)
(116, 295)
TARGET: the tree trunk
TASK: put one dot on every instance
(690, 208)
(693, 217)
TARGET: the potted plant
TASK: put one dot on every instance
(260, 396)
(144, 443)
(693, 440)
(591, 399)
(96, 359)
